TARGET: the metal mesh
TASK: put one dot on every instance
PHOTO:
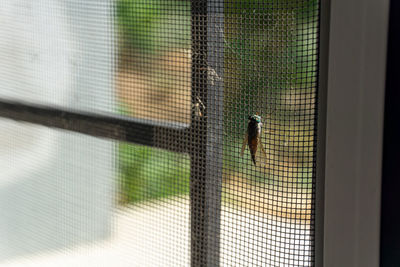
(177, 84)
(261, 58)
(58, 53)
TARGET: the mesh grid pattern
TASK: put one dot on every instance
(56, 191)
(188, 74)
(58, 53)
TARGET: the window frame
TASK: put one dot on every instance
(350, 129)
(353, 39)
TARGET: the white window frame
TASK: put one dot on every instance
(350, 137)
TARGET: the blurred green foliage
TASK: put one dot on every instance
(150, 25)
(272, 52)
(148, 173)
(145, 27)
(271, 68)
(270, 58)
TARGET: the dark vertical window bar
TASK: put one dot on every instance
(390, 216)
(215, 68)
(320, 132)
(198, 245)
(206, 138)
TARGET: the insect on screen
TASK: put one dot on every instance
(191, 132)
(261, 61)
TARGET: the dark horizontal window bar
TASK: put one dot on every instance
(139, 131)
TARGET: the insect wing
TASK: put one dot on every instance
(261, 155)
(264, 154)
(245, 140)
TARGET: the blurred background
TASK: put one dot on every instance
(128, 204)
(270, 67)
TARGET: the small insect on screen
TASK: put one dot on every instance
(158, 133)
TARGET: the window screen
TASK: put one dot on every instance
(158, 133)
